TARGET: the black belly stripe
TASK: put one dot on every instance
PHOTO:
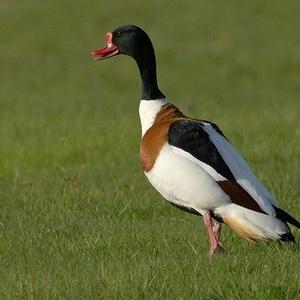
(185, 208)
(195, 212)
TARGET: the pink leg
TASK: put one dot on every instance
(215, 245)
(217, 230)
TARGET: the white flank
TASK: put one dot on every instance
(211, 171)
(241, 171)
(148, 110)
(182, 181)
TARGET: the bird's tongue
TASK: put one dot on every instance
(108, 51)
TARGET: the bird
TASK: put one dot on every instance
(191, 163)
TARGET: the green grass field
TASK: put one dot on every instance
(78, 220)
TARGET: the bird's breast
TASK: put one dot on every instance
(156, 136)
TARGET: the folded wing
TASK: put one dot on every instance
(204, 143)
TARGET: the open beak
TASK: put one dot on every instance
(109, 50)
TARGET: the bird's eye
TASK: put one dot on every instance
(118, 33)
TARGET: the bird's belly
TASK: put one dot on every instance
(183, 182)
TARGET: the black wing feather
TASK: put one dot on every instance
(190, 136)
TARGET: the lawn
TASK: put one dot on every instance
(78, 220)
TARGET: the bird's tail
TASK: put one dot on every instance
(285, 217)
(254, 226)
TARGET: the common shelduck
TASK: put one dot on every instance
(191, 163)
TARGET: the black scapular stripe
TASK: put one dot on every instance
(215, 127)
(190, 136)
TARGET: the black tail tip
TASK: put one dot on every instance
(287, 237)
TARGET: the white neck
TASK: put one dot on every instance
(148, 110)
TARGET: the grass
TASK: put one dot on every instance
(78, 218)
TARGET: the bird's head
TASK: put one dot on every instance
(128, 40)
